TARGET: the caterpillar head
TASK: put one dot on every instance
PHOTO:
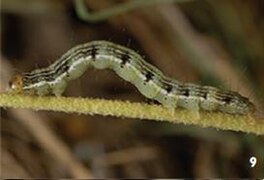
(16, 83)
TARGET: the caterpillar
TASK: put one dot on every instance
(130, 66)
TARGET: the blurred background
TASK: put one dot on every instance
(208, 42)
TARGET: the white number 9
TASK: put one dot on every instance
(253, 161)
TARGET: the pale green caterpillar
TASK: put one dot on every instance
(133, 68)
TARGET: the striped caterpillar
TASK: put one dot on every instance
(133, 68)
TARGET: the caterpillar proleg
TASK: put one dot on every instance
(130, 66)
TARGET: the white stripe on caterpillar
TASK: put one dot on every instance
(133, 68)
